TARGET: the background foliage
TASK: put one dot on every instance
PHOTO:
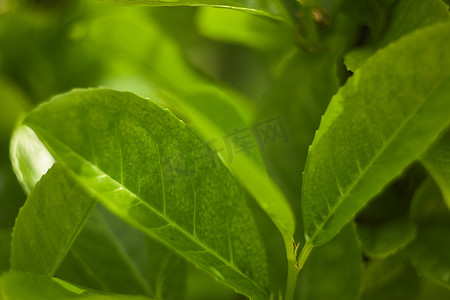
(344, 104)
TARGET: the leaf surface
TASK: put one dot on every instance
(49, 222)
(215, 112)
(379, 122)
(125, 150)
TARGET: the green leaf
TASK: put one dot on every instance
(273, 9)
(379, 122)
(390, 279)
(334, 270)
(213, 111)
(384, 226)
(428, 206)
(437, 161)
(232, 26)
(17, 285)
(97, 252)
(387, 238)
(152, 171)
(407, 16)
(429, 251)
(166, 271)
(298, 104)
(429, 290)
(49, 222)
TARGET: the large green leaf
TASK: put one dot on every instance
(17, 285)
(151, 170)
(273, 8)
(437, 161)
(379, 122)
(334, 270)
(215, 112)
(49, 222)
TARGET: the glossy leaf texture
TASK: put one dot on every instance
(125, 150)
(377, 124)
(437, 161)
(24, 285)
(49, 222)
(428, 252)
(334, 270)
(273, 8)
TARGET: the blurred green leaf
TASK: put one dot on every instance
(333, 270)
(437, 161)
(273, 9)
(49, 222)
(428, 206)
(23, 285)
(406, 17)
(151, 170)
(386, 239)
(298, 99)
(391, 279)
(379, 122)
(428, 252)
(384, 226)
(236, 27)
(429, 291)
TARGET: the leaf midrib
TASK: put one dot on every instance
(170, 222)
(374, 159)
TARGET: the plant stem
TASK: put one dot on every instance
(294, 265)
(306, 250)
(291, 283)
(291, 254)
